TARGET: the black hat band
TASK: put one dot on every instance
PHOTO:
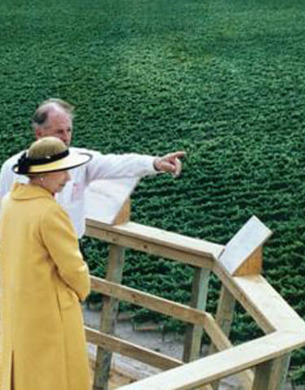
(24, 162)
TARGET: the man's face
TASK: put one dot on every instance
(59, 125)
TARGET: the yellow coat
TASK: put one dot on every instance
(43, 278)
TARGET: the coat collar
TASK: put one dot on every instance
(21, 191)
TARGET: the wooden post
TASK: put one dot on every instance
(193, 335)
(124, 213)
(224, 318)
(262, 376)
(279, 372)
(241, 256)
(225, 310)
(108, 317)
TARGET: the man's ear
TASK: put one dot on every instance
(38, 133)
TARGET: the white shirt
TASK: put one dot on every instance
(72, 197)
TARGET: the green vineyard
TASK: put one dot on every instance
(223, 80)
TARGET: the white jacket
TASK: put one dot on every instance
(72, 198)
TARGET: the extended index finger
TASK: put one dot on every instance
(178, 154)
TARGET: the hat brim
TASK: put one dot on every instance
(73, 160)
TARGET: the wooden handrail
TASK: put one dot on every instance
(270, 311)
(126, 348)
(151, 302)
(164, 306)
(222, 364)
(158, 236)
(237, 265)
(157, 242)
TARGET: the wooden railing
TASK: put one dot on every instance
(261, 364)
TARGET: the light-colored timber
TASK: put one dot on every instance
(160, 305)
(193, 333)
(124, 214)
(271, 306)
(145, 245)
(243, 298)
(222, 364)
(241, 255)
(166, 239)
(224, 318)
(114, 344)
(164, 306)
(262, 376)
(253, 265)
(261, 363)
(279, 371)
(108, 319)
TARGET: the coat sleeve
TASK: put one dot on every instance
(112, 166)
(61, 242)
(6, 177)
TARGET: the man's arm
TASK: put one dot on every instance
(112, 166)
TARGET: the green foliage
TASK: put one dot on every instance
(222, 79)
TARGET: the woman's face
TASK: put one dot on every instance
(55, 181)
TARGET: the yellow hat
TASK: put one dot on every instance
(53, 163)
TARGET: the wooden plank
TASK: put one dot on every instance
(125, 348)
(279, 371)
(253, 293)
(224, 314)
(225, 310)
(193, 334)
(222, 343)
(146, 246)
(222, 364)
(167, 307)
(234, 286)
(151, 302)
(224, 318)
(108, 317)
(253, 265)
(161, 237)
(242, 297)
(270, 305)
(164, 306)
(243, 245)
(216, 334)
(124, 214)
(262, 376)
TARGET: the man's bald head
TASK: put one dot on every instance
(54, 118)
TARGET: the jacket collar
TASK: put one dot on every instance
(21, 191)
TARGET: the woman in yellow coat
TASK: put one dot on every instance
(43, 278)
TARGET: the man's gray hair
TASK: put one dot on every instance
(40, 117)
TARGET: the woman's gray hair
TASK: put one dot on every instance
(40, 117)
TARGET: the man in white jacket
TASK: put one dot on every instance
(54, 117)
